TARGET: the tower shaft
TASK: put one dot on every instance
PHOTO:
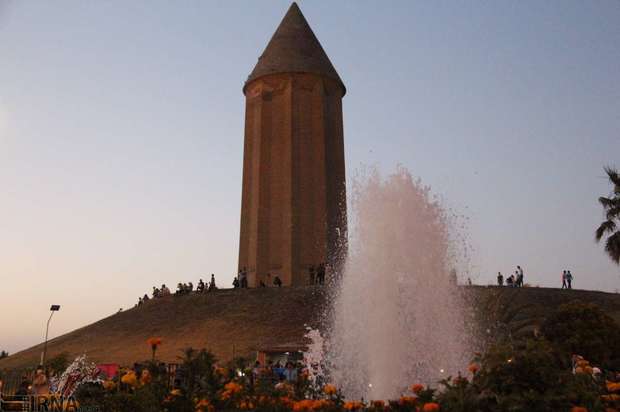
(293, 213)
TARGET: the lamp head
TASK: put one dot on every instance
(55, 308)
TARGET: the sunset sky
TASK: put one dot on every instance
(121, 131)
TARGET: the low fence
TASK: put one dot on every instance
(12, 380)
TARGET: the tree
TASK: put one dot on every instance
(59, 363)
(4, 354)
(611, 207)
(584, 329)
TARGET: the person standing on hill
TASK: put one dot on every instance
(212, 286)
(569, 279)
(519, 276)
(515, 279)
(500, 279)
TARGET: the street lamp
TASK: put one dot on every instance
(53, 308)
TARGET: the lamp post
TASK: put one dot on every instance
(53, 308)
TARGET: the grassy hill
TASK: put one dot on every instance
(239, 322)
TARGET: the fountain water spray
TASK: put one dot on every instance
(397, 317)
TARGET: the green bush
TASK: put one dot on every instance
(529, 378)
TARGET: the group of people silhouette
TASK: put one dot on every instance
(515, 280)
(241, 280)
(316, 273)
(316, 277)
(567, 280)
(182, 289)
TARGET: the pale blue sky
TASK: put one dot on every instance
(121, 127)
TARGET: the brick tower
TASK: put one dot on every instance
(293, 206)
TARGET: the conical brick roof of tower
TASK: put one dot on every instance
(294, 48)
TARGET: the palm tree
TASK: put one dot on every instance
(610, 227)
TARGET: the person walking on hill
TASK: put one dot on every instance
(500, 279)
(564, 280)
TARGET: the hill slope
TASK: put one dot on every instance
(239, 322)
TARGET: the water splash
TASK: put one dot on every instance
(314, 356)
(397, 315)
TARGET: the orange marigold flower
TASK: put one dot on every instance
(578, 409)
(154, 342)
(330, 389)
(175, 392)
(407, 400)
(583, 363)
(233, 387)
(610, 398)
(353, 405)
(377, 404)
(431, 407)
(417, 388)
(320, 404)
(473, 368)
(246, 405)
(202, 402)
(285, 400)
(130, 379)
(612, 386)
(305, 405)
(204, 405)
(109, 385)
